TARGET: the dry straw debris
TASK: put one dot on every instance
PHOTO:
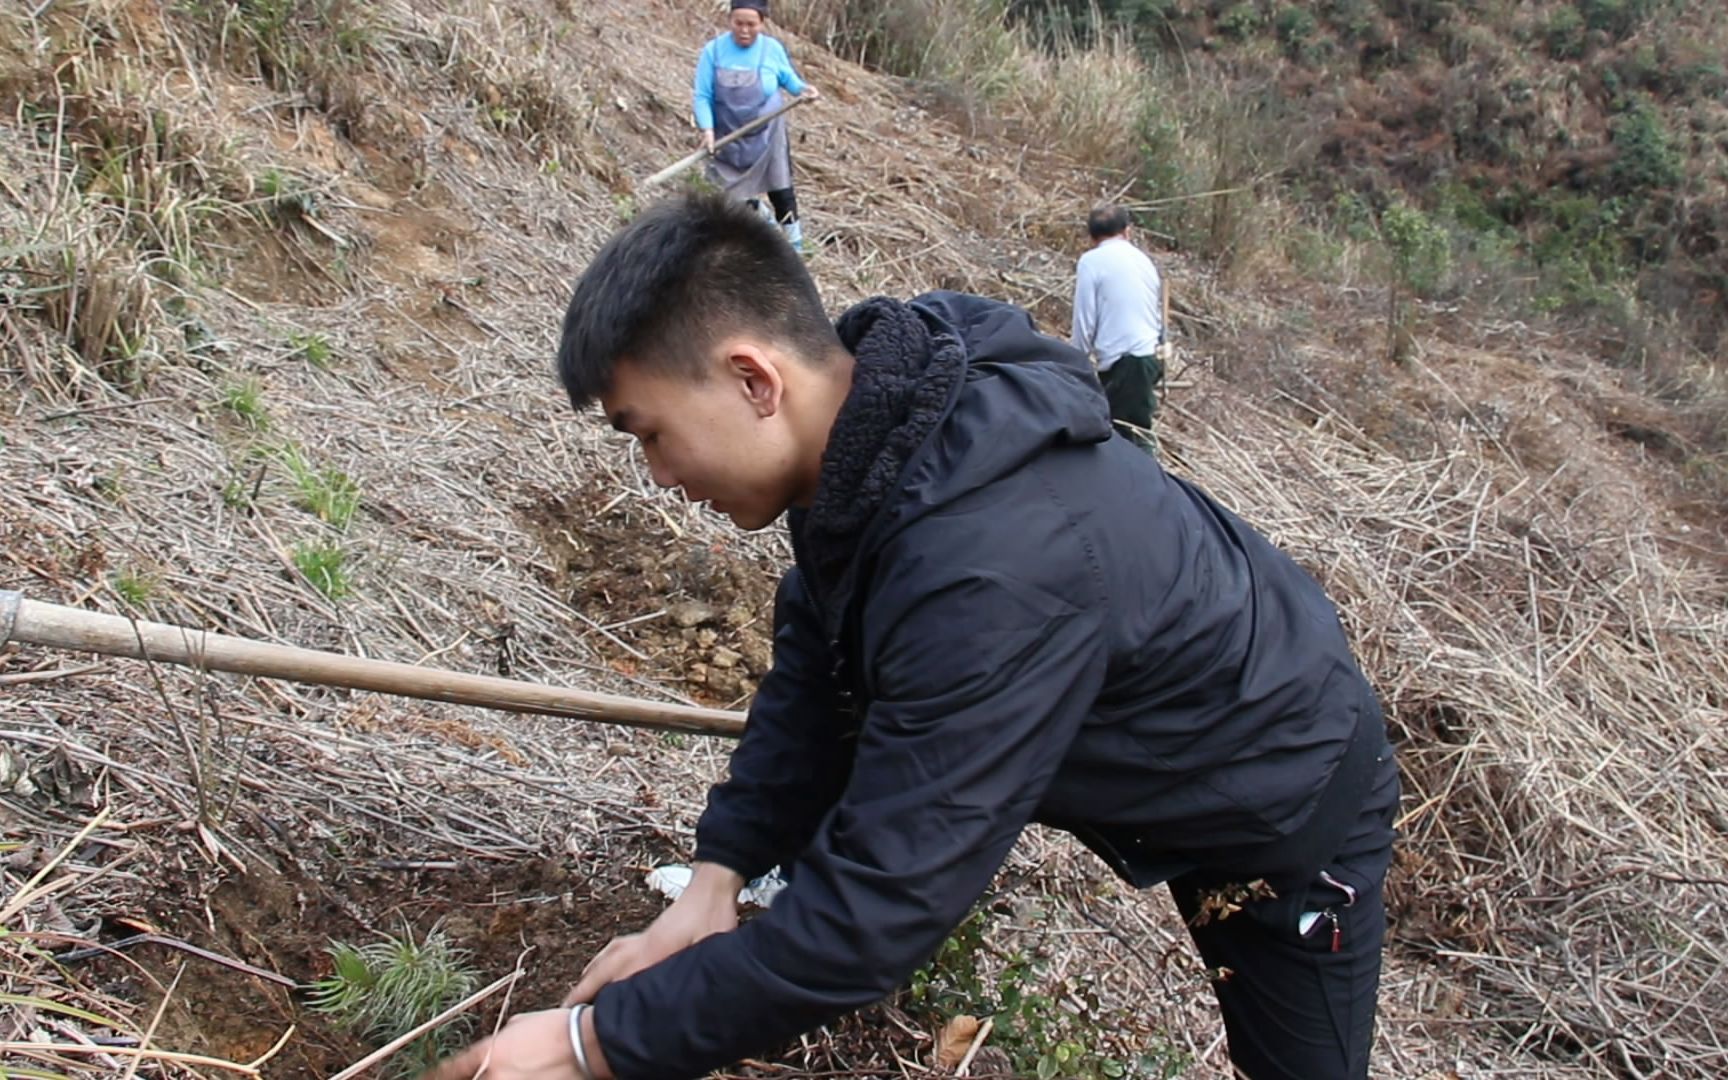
(352, 257)
(1557, 680)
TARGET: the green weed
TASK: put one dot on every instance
(283, 197)
(313, 348)
(236, 493)
(329, 493)
(134, 587)
(1295, 28)
(324, 564)
(245, 400)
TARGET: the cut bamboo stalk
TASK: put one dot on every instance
(56, 626)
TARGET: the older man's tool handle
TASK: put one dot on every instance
(57, 626)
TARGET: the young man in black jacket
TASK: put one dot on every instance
(1000, 613)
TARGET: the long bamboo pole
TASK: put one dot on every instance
(36, 623)
(690, 159)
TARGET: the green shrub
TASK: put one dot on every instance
(1421, 255)
(1353, 19)
(1580, 253)
(1295, 27)
(1241, 21)
(1648, 161)
(1420, 248)
(1044, 1036)
(1616, 18)
(1163, 171)
(1564, 34)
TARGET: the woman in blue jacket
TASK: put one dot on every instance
(739, 77)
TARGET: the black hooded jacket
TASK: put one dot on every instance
(1001, 614)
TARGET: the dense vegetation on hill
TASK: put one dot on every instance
(1564, 161)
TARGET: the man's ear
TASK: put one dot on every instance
(758, 377)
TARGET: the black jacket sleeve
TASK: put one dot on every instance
(981, 683)
(791, 764)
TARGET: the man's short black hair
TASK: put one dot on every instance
(1106, 221)
(685, 272)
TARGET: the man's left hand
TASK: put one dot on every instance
(532, 1046)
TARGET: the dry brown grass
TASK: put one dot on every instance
(1557, 685)
(1551, 659)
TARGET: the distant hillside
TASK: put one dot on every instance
(1560, 163)
(1586, 137)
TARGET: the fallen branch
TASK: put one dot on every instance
(22, 677)
(175, 943)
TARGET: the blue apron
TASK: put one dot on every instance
(737, 101)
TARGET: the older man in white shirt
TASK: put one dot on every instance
(1118, 319)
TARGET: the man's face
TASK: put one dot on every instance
(724, 440)
(746, 24)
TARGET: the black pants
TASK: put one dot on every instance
(784, 202)
(1131, 386)
(1300, 1006)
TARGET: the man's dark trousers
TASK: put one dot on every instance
(1301, 1006)
(1131, 387)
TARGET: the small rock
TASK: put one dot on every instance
(758, 656)
(706, 638)
(726, 684)
(690, 613)
(725, 658)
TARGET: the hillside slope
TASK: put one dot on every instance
(279, 284)
(1578, 145)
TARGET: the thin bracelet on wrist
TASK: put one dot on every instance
(576, 1043)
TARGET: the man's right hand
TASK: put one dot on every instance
(708, 905)
(708, 139)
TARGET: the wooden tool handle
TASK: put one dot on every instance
(57, 626)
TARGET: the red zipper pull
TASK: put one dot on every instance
(1337, 932)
